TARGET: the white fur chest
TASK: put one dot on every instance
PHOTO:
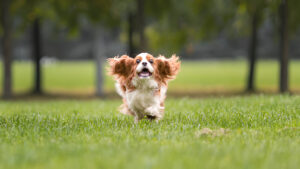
(143, 96)
(139, 100)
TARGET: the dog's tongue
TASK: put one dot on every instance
(144, 74)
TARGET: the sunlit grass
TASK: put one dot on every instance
(199, 76)
(262, 132)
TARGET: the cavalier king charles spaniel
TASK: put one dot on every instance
(142, 82)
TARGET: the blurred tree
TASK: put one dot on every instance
(186, 22)
(99, 12)
(37, 55)
(7, 47)
(131, 15)
(283, 46)
(141, 25)
(32, 13)
(181, 23)
(136, 16)
(253, 12)
(168, 28)
(66, 14)
(130, 8)
(189, 20)
(131, 49)
(288, 21)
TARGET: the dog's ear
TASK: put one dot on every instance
(167, 69)
(121, 66)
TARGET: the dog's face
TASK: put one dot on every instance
(144, 65)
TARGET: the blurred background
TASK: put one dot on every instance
(59, 47)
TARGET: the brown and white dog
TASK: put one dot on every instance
(142, 82)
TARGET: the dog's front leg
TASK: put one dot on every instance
(138, 117)
(154, 113)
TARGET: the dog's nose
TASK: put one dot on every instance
(144, 63)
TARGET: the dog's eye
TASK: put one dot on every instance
(151, 61)
(138, 61)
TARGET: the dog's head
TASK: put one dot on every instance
(144, 66)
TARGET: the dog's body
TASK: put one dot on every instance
(146, 100)
(142, 83)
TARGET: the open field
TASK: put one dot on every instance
(200, 76)
(261, 132)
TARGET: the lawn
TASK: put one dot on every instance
(258, 131)
(199, 76)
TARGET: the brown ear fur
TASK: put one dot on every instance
(120, 66)
(123, 69)
(166, 69)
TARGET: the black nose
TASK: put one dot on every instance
(144, 63)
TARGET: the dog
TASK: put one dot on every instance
(142, 82)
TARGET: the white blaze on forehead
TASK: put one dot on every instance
(144, 56)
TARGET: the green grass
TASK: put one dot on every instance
(200, 76)
(262, 133)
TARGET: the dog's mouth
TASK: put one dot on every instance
(145, 73)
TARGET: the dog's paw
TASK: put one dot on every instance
(152, 111)
(154, 118)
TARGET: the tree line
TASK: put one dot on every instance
(151, 25)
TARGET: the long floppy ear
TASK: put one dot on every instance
(167, 69)
(120, 66)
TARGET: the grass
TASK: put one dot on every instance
(202, 76)
(262, 132)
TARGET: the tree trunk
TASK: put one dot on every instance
(99, 60)
(131, 50)
(283, 46)
(252, 55)
(99, 74)
(36, 37)
(7, 49)
(141, 24)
